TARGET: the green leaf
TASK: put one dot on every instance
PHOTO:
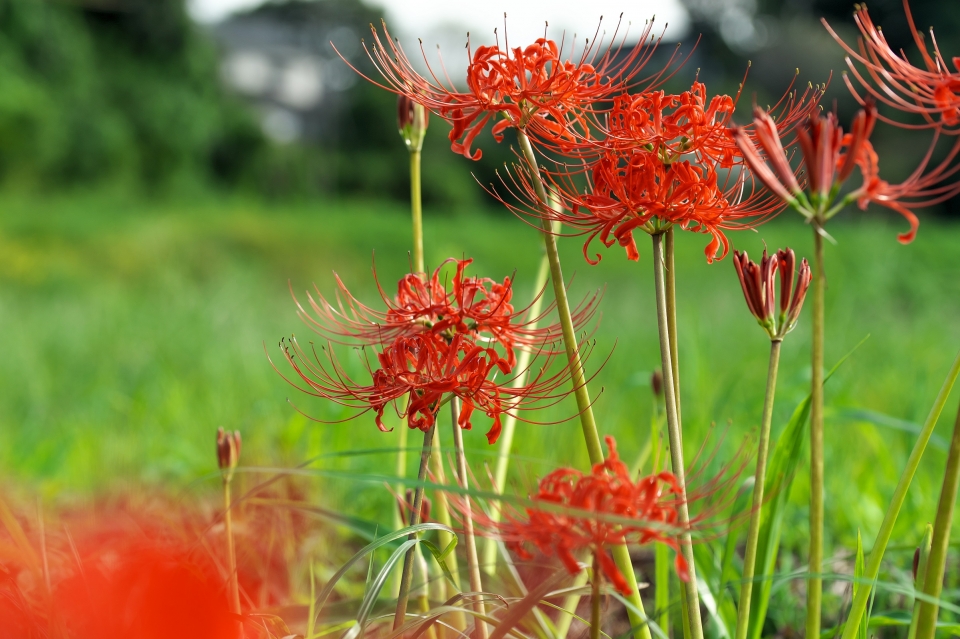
(379, 543)
(857, 576)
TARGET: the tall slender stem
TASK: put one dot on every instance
(231, 551)
(473, 562)
(753, 534)
(872, 567)
(676, 444)
(671, 281)
(595, 598)
(510, 422)
(407, 571)
(936, 562)
(591, 436)
(416, 211)
(815, 582)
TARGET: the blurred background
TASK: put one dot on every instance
(170, 171)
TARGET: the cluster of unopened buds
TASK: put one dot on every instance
(759, 282)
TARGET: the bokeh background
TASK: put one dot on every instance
(170, 172)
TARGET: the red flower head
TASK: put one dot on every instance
(562, 519)
(537, 88)
(427, 372)
(931, 90)
(479, 308)
(665, 160)
(636, 189)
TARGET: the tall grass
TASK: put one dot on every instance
(132, 329)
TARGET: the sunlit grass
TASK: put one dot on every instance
(131, 330)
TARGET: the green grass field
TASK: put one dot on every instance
(132, 329)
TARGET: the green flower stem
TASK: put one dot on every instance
(473, 563)
(692, 610)
(872, 568)
(233, 585)
(924, 554)
(595, 598)
(753, 534)
(510, 422)
(671, 281)
(591, 435)
(416, 210)
(569, 606)
(814, 582)
(936, 562)
(407, 571)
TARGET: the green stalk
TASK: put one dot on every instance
(441, 512)
(569, 606)
(233, 584)
(470, 539)
(661, 570)
(692, 605)
(814, 582)
(923, 554)
(671, 281)
(407, 571)
(595, 598)
(416, 210)
(936, 562)
(872, 569)
(510, 422)
(753, 534)
(591, 436)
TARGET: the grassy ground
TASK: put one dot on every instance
(132, 329)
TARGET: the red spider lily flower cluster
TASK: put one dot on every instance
(475, 307)
(434, 343)
(651, 503)
(663, 160)
(537, 88)
(759, 282)
(931, 90)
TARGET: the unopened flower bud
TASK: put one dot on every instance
(656, 383)
(228, 451)
(759, 283)
(412, 121)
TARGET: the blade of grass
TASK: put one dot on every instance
(857, 577)
(923, 555)
(896, 503)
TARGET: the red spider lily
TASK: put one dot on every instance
(759, 288)
(428, 371)
(537, 88)
(636, 189)
(651, 503)
(932, 91)
(124, 579)
(665, 160)
(829, 156)
(480, 308)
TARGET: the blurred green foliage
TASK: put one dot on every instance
(133, 330)
(127, 92)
